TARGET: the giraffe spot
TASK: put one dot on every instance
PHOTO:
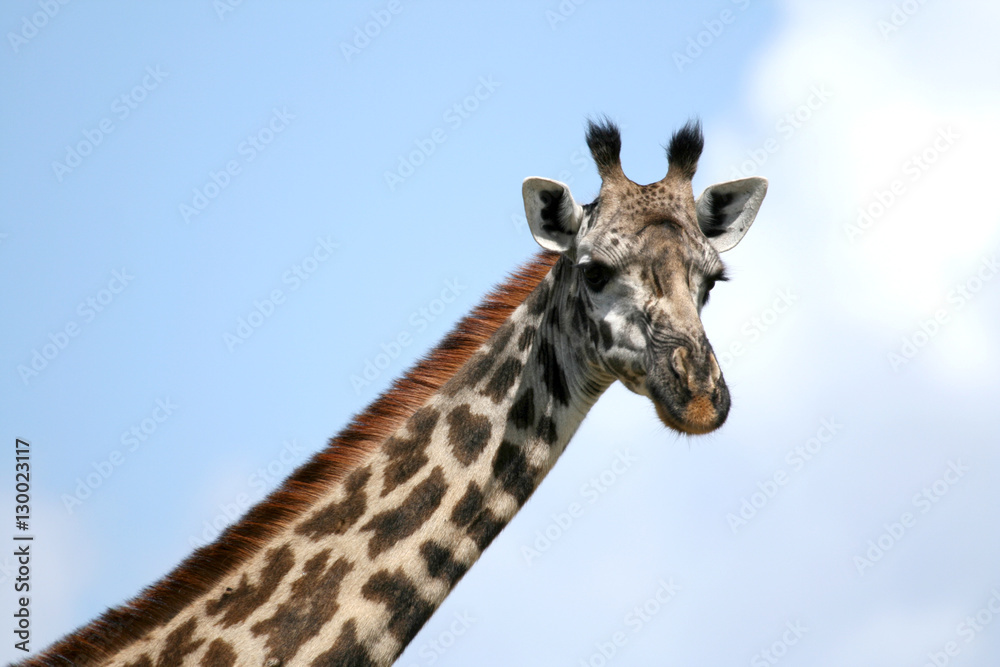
(407, 610)
(312, 603)
(559, 271)
(347, 651)
(527, 335)
(606, 338)
(393, 525)
(552, 373)
(538, 301)
(337, 517)
(484, 528)
(554, 320)
(471, 374)
(468, 434)
(440, 563)
(580, 318)
(142, 661)
(407, 454)
(500, 340)
(522, 412)
(246, 598)
(546, 430)
(510, 468)
(503, 379)
(178, 644)
(479, 368)
(468, 507)
(220, 653)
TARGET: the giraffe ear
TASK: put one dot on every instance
(553, 214)
(726, 210)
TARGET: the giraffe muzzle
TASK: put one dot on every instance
(688, 391)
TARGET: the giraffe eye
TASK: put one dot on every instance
(596, 275)
(709, 284)
(708, 291)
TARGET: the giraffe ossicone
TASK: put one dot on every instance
(345, 562)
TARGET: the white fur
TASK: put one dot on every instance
(570, 213)
(740, 212)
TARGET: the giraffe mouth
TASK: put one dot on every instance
(694, 413)
(704, 417)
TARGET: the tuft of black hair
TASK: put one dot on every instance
(685, 148)
(605, 143)
(715, 221)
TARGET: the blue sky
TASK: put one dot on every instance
(350, 198)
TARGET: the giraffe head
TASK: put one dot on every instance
(644, 259)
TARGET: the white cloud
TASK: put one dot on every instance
(885, 127)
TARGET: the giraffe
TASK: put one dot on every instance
(344, 563)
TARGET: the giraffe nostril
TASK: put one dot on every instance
(679, 364)
(678, 361)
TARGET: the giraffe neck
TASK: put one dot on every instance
(439, 490)
(355, 579)
(354, 573)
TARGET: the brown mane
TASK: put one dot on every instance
(198, 573)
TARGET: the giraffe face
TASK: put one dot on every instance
(642, 281)
(644, 260)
